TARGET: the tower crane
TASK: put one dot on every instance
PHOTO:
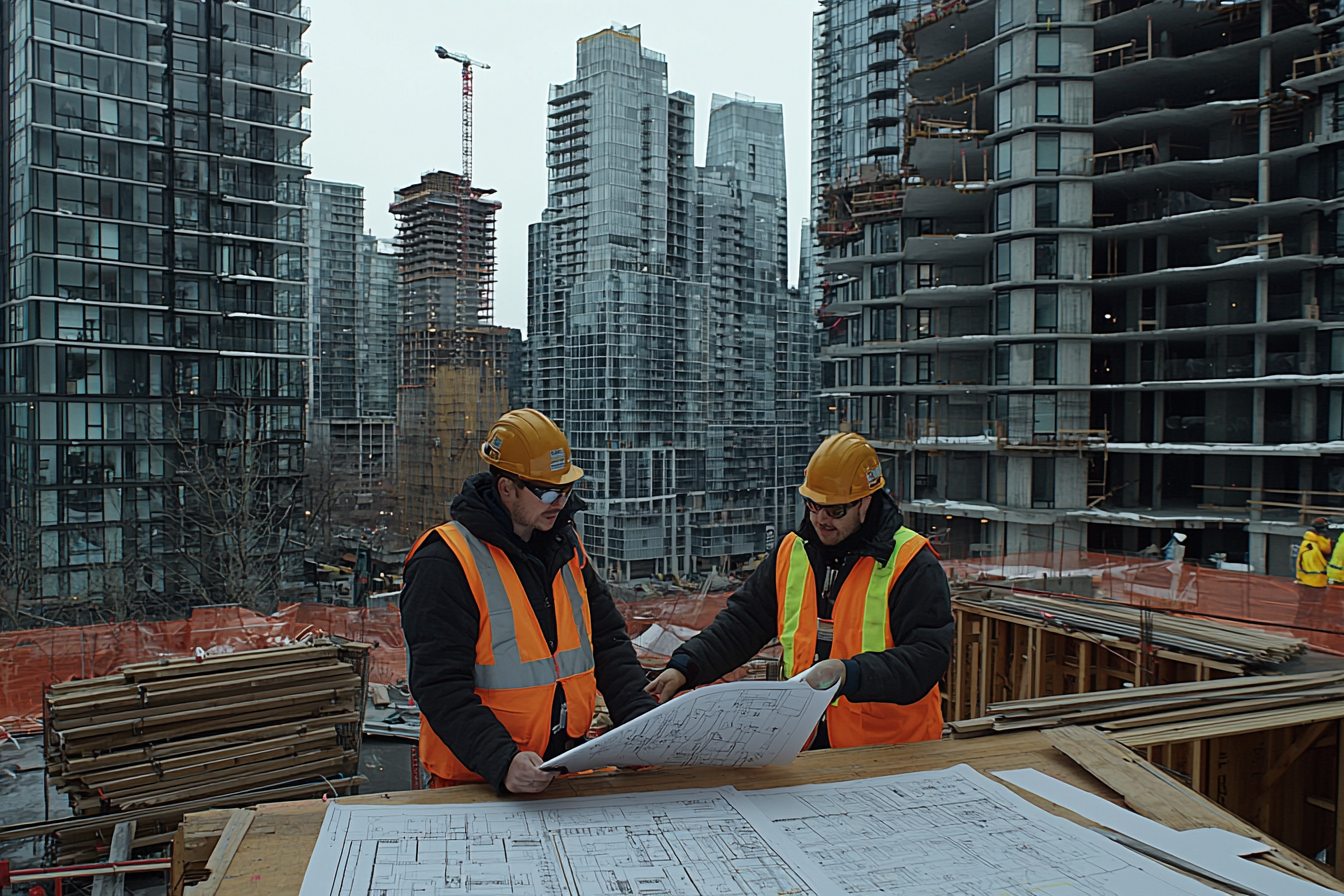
(467, 62)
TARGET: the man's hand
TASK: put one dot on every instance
(524, 775)
(666, 685)
(825, 674)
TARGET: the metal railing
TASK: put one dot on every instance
(267, 77)
(268, 41)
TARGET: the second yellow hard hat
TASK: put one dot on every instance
(843, 469)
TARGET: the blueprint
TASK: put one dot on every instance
(744, 724)
(952, 832)
(674, 843)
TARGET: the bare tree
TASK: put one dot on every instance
(233, 515)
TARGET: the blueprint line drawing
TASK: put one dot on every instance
(742, 724)
(952, 832)
(673, 843)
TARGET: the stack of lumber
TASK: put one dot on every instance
(1174, 713)
(157, 739)
(1112, 621)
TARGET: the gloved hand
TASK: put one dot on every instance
(825, 674)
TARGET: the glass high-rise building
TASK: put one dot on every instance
(154, 347)
(658, 309)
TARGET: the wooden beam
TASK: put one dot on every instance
(1291, 755)
(222, 855)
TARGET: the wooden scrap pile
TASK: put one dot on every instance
(158, 739)
(1112, 621)
(1173, 713)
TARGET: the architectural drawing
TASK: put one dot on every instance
(676, 843)
(948, 833)
(743, 724)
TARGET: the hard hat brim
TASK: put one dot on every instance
(822, 498)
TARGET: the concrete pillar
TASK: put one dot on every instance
(1259, 545)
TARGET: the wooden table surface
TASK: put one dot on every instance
(273, 855)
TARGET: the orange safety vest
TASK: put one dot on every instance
(516, 673)
(862, 624)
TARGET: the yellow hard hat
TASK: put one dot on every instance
(843, 469)
(529, 445)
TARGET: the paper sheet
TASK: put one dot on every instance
(743, 724)
(674, 842)
(952, 832)
(1218, 852)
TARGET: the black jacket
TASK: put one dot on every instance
(441, 622)
(920, 606)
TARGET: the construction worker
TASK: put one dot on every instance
(510, 632)
(1313, 558)
(853, 596)
(1334, 572)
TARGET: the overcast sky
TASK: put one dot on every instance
(386, 109)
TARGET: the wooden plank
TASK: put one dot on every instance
(1153, 794)
(1291, 755)
(138, 672)
(1224, 726)
(222, 856)
(119, 851)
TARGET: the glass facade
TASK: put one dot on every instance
(658, 310)
(154, 349)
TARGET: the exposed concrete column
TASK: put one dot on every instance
(1160, 293)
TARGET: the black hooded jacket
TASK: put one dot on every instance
(441, 622)
(920, 607)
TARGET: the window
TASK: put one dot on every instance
(1047, 101)
(1047, 257)
(1003, 312)
(882, 370)
(918, 227)
(1005, 105)
(1047, 10)
(1005, 58)
(921, 320)
(885, 237)
(1005, 14)
(1047, 310)
(1042, 482)
(1003, 161)
(1003, 364)
(886, 324)
(926, 276)
(1003, 210)
(1043, 414)
(1047, 51)
(924, 368)
(1003, 261)
(1047, 205)
(1047, 153)
(1044, 368)
(886, 280)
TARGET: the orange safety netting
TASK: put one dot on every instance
(1315, 614)
(33, 659)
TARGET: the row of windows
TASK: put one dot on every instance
(61, 370)
(86, 28)
(59, 235)
(75, 195)
(97, 155)
(138, 326)
(102, 74)
(101, 115)
(924, 369)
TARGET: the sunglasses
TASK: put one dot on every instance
(834, 511)
(546, 494)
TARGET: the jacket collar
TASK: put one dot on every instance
(873, 539)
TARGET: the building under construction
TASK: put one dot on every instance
(454, 366)
(1081, 274)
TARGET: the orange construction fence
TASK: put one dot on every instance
(33, 659)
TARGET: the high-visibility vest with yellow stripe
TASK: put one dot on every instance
(1312, 555)
(861, 624)
(1335, 569)
(516, 674)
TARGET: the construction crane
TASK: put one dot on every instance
(467, 63)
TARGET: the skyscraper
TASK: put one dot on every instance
(154, 350)
(658, 304)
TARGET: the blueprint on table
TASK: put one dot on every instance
(744, 724)
(952, 832)
(674, 843)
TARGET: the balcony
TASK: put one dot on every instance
(266, 77)
(886, 55)
(285, 192)
(261, 152)
(279, 7)
(885, 83)
(297, 120)
(268, 231)
(268, 41)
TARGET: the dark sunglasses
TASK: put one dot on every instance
(546, 494)
(834, 511)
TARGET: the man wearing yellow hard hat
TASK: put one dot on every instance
(853, 596)
(510, 632)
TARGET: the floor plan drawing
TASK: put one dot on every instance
(743, 724)
(676, 843)
(952, 832)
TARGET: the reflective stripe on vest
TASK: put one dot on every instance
(795, 584)
(509, 670)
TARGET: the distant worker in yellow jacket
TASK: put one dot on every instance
(1334, 572)
(1314, 556)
